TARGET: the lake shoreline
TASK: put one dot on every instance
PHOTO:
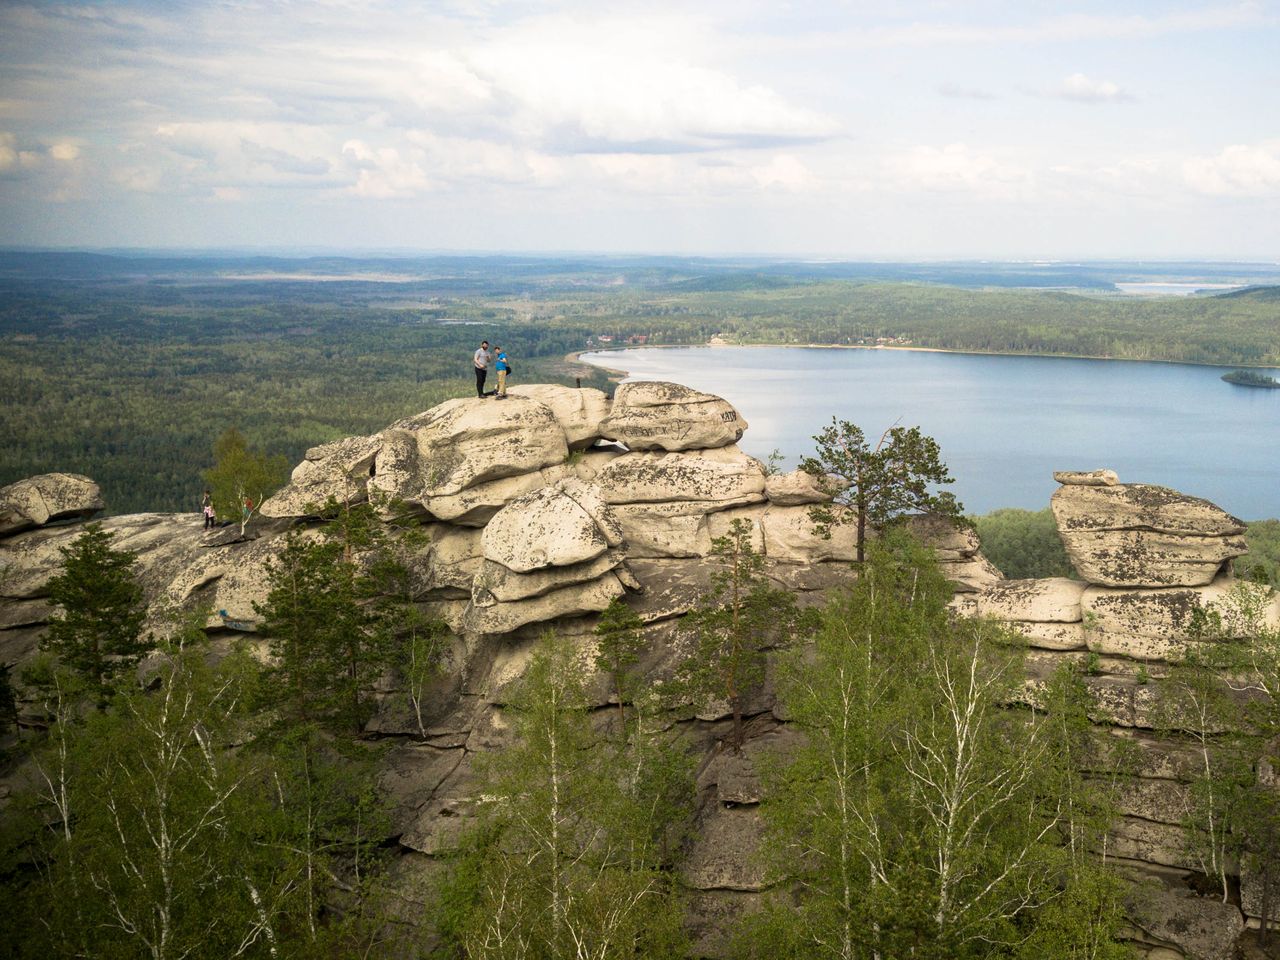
(576, 356)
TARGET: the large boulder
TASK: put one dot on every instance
(1143, 535)
(47, 498)
(557, 526)
(789, 537)
(340, 470)
(578, 410)
(648, 415)
(462, 443)
(475, 506)
(722, 478)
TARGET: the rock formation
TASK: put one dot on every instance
(535, 521)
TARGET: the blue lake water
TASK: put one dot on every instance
(1004, 423)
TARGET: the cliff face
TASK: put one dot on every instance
(543, 507)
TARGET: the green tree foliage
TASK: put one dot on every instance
(879, 483)
(1023, 544)
(97, 631)
(922, 817)
(1224, 694)
(418, 643)
(1262, 562)
(738, 622)
(241, 478)
(619, 644)
(330, 630)
(578, 838)
(150, 836)
(8, 701)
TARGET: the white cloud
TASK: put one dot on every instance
(959, 168)
(625, 86)
(1240, 170)
(1084, 89)
(65, 150)
(383, 173)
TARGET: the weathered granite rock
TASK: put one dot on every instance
(971, 574)
(789, 537)
(578, 410)
(340, 470)
(571, 601)
(465, 442)
(948, 539)
(723, 854)
(47, 498)
(663, 530)
(475, 506)
(1086, 478)
(1055, 600)
(1144, 535)
(1200, 927)
(795, 488)
(1050, 636)
(587, 464)
(496, 583)
(668, 416)
(726, 477)
(1157, 624)
(556, 526)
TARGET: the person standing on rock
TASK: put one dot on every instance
(503, 366)
(481, 361)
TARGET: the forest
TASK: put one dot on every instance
(127, 370)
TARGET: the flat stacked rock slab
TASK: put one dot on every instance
(668, 416)
(1137, 534)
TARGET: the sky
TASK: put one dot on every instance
(862, 130)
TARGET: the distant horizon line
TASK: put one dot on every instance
(356, 253)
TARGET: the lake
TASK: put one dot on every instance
(1004, 423)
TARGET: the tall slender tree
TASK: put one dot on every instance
(574, 857)
(98, 630)
(880, 482)
(740, 620)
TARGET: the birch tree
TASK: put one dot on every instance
(578, 833)
(921, 816)
(153, 851)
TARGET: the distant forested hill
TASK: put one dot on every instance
(127, 368)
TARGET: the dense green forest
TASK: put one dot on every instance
(127, 370)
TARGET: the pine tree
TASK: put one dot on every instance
(619, 642)
(879, 483)
(97, 632)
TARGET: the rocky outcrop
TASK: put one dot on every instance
(579, 411)
(47, 498)
(340, 470)
(533, 524)
(667, 416)
(1132, 535)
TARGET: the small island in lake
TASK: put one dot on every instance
(1247, 378)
